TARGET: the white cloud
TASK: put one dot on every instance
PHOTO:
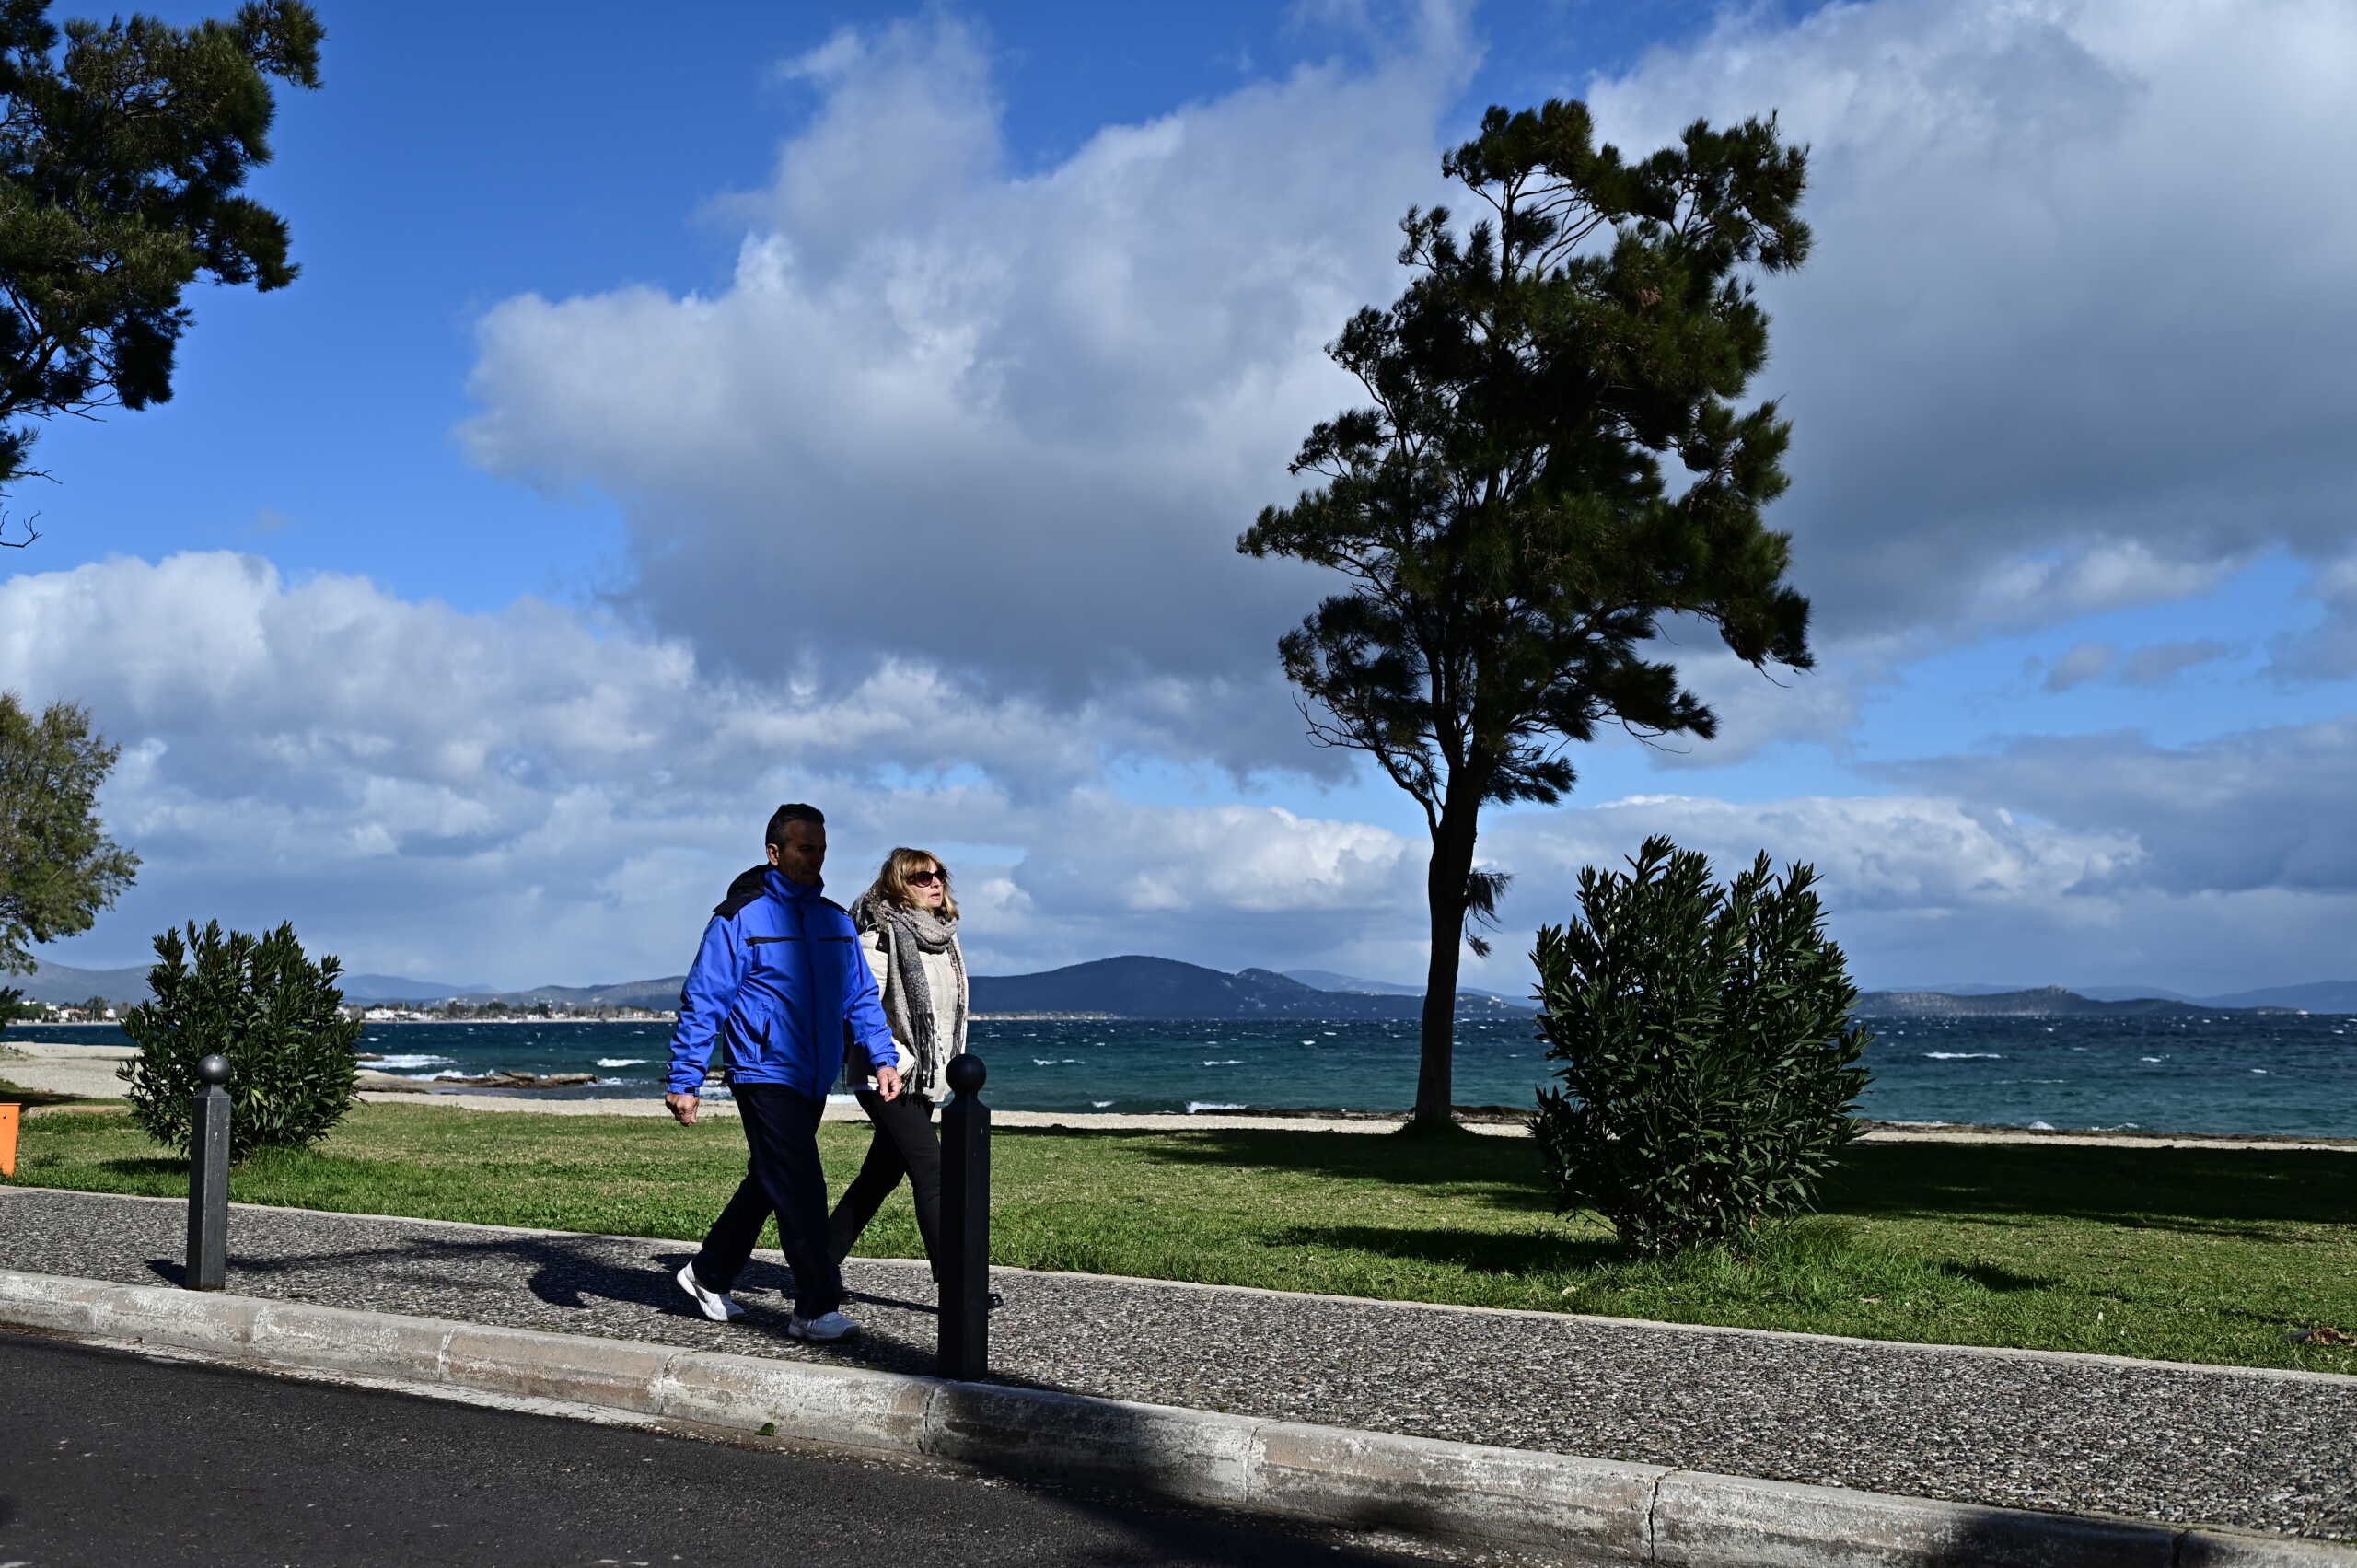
(2075, 334)
(1004, 425)
(2073, 339)
(529, 796)
(2267, 808)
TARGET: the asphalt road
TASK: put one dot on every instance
(108, 1458)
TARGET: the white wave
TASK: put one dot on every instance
(1100, 1104)
(2151, 1058)
(1196, 1107)
(1231, 1062)
(1057, 1062)
(389, 1064)
(2041, 1127)
(624, 1061)
(2260, 1070)
(1964, 1055)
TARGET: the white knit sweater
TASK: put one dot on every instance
(940, 983)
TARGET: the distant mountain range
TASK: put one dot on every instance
(2043, 1001)
(1137, 986)
(1327, 979)
(60, 984)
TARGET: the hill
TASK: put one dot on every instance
(661, 994)
(2047, 1000)
(63, 985)
(1136, 986)
(2324, 996)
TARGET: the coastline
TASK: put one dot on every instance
(52, 1067)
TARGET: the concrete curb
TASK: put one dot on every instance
(1597, 1510)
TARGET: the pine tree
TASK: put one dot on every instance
(122, 154)
(58, 869)
(1502, 510)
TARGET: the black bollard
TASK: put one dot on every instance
(208, 1178)
(966, 1222)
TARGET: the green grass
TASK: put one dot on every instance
(2178, 1254)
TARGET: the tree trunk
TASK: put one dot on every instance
(1452, 861)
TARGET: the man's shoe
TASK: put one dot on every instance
(827, 1326)
(716, 1305)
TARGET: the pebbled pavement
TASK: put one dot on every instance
(2256, 1450)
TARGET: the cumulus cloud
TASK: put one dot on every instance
(537, 796)
(2074, 338)
(2075, 334)
(1006, 425)
(2266, 808)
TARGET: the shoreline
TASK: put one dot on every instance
(55, 1067)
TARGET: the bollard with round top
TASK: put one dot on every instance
(208, 1178)
(964, 1339)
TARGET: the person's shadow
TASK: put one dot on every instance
(577, 1275)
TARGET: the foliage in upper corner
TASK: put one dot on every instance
(122, 154)
(58, 869)
(1708, 1063)
(261, 1003)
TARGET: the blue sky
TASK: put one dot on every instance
(858, 402)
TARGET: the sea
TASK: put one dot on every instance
(2292, 1074)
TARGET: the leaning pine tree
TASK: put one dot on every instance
(1502, 510)
(275, 1014)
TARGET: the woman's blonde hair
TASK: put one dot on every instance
(893, 881)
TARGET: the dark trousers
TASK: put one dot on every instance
(783, 1177)
(904, 1143)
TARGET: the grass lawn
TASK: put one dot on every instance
(2178, 1254)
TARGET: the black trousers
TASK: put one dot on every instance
(904, 1143)
(783, 1177)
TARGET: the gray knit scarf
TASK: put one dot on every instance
(907, 934)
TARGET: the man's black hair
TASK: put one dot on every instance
(794, 812)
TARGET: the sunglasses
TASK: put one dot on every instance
(921, 877)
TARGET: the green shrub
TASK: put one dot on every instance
(1708, 1063)
(257, 1001)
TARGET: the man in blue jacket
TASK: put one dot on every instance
(780, 981)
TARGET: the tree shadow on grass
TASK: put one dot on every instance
(1991, 1277)
(141, 1168)
(2223, 1192)
(1502, 1173)
(1480, 1252)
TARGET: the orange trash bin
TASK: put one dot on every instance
(7, 1140)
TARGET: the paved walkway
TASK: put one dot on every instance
(2263, 1450)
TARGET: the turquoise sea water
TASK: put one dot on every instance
(2216, 1073)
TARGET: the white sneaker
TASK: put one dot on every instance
(828, 1326)
(716, 1305)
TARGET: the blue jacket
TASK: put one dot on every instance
(779, 981)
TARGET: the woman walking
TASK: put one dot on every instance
(908, 928)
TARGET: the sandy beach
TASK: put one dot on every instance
(56, 1068)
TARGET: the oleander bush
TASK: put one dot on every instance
(1707, 1062)
(268, 1008)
